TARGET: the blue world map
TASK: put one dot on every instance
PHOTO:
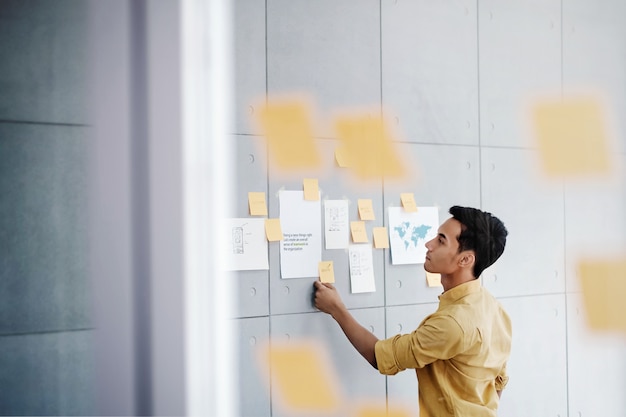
(411, 234)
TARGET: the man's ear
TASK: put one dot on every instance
(467, 259)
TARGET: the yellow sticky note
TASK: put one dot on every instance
(327, 273)
(603, 283)
(301, 377)
(381, 238)
(359, 233)
(273, 231)
(257, 204)
(369, 145)
(311, 189)
(572, 137)
(342, 157)
(288, 128)
(366, 211)
(380, 410)
(408, 202)
(433, 280)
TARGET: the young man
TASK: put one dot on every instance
(459, 352)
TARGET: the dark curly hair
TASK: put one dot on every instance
(482, 233)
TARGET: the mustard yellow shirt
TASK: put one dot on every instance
(459, 354)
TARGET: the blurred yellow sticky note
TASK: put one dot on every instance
(381, 238)
(342, 157)
(257, 204)
(380, 411)
(369, 147)
(408, 202)
(433, 280)
(327, 273)
(301, 377)
(603, 283)
(359, 233)
(366, 211)
(273, 231)
(572, 137)
(288, 128)
(311, 189)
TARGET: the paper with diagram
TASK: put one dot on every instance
(361, 268)
(409, 232)
(336, 224)
(246, 247)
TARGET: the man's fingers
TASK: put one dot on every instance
(320, 285)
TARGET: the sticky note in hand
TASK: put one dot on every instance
(327, 272)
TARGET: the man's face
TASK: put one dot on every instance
(443, 251)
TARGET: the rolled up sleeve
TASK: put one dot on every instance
(438, 337)
(386, 358)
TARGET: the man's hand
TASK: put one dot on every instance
(327, 299)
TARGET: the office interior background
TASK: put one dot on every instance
(127, 130)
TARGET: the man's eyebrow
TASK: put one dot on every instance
(442, 235)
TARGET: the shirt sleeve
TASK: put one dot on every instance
(438, 337)
(502, 379)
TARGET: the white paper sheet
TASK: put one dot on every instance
(361, 268)
(245, 246)
(301, 222)
(336, 224)
(409, 232)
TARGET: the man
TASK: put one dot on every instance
(460, 351)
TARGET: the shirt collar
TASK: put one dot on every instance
(460, 291)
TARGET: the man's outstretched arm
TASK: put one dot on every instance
(327, 299)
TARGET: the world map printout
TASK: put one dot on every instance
(409, 232)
